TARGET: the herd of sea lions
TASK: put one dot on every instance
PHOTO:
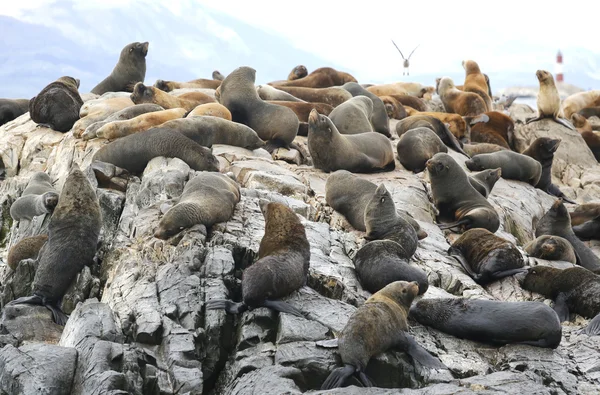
(348, 130)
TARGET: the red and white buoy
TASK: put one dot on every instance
(559, 67)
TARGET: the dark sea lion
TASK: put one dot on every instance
(493, 127)
(486, 257)
(437, 126)
(200, 83)
(514, 166)
(548, 100)
(590, 112)
(39, 197)
(585, 212)
(588, 231)
(456, 199)
(491, 321)
(275, 124)
(12, 108)
(57, 105)
(379, 117)
(72, 239)
(359, 153)
(484, 181)
(210, 109)
(477, 82)
(116, 129)
(376, 326)
(333, 96)
(149, 94)
(557, 222)
(123, 115)
(393, 108)
(417, 146)
(466, 104)
(267, 92)
(481, 148)
(217, 75)
(27, 248)
(381, 262)
(133, 152)
(542, 149)
(353, 116)
(282, 266)
(323, 77)
(303, 109)
(207, 199)
(130, 69)
(551, 248)
(297, 72)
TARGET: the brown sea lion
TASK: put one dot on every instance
(359, 153)
(210, 109)
(353, 116)
(456, 199)
(323, 77)
(412, 102)
(267, 92)
(27, 248)
(217, 75)
(379, 117)
(578, 101)
(484, 181)
(581, 123)
(591, 137)
(457, 124)
(39, 197)
(394, 109)
(200, 83)
(514, 166)
(494, 128)
(117, 129)
(98, 112)
(401, 88)
(466, 104)
(477, 82)
(130, 69)
(548, 100)
(482, 148)
(12, 108)
(297, 72)
(417, 146)
(551, 248)
(123, 115)
(433, 123)
(149, 94)
(282, 266)
(303, 109)
(585, 212)
(333, 96)
(57, 105)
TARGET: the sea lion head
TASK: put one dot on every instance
(578, 120)
(176, 219)
(141, 93)
(390, 110)
(548, 247)
(492, 175)
(40, 176)
(544, 76)
(558, 211)
(245, 73)
(471, 67)
(74, 82)
(50, 200)
(216, 75)
(162, 85)
(474, 164)
(446, 83)
(298, 72)
(538, 278)
(319, 123)
(135, 50)
(381, 203)
(440, 164)
(402, 292)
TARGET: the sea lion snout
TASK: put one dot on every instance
(313, 117)
(145, 46)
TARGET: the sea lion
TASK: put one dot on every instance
(133, 152)
(578, 101)
(484, 181)
(267, 92)
(27, 248)
(477, 82)
(353, 116)
(275, 124)
(208, 130)
(39, 197)
(98, 112)
(323, 77)
(149, 94)
(282, 266)
(210, 109)
(486, 257)
(456, 199)
(123, 115)
(12, 108)
(401, 88)
(379, 117)
(455, 123)
(514, 166)
(217, 75)
(358, 153)
(393, 108)
(466, 104)
(297, 72)
(349, 195)
(411, 101)
(585, 212)
(548, 100)
(417, 146)
(376, 326)
(491, 321)
(72, 239)
(557, 222)
(116, 129)
(130, 69)
(581, 123)
(482, 148)
(542, 150)
(437, 126)
(57, 105)
(589, 112)
(591, 137)
(551, 248)
(493, 127)
(207, 199)
(588, 231)
(200, 83)
(303, 109)
(333, 96)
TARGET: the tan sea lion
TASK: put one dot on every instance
(333, 96)
(578, 101)
(353, 116)
(401, 88)
(12, 108)
(149, 94)
(57, 105)
(514, 166)
(117, 129)
(548, 100)
(123, 115)
(39, 197)
(297, 72)
(584, 212)
(477, 82)
(267, 92)
(393, 107)
(482, 148)
(130, 69)
(98, 112)
(591, 137)
(417, 146)
(466, 104)
(27, 248)
(493, 127)
(200, 83)
(323, 77)
(551, 248)
(210, 109)
(457, 124)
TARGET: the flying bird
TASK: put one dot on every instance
(406, 60)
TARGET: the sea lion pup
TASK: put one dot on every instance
(358, 153)
(376, 326)
(133, 152)
(437, 126)
(57, 105)
(207, 199)
(578, 101)
(282, 266)
(123, 115)
(353, 116)
(72, 239)
(551, 248)
(149, 94)
(548, 100)
(514, 166)
(39, 197)
(466, 104)
(484, 181)
(379, 117)
(116, 129)
(585, 212)
(349, 195)
(491, 321)
(27, 248)
(591, 138)
(493, 127)
(557, 222)
(323, 77)
(393, 108)
(589, 112)
(200, 83)
(486, 257)
(130, 69)
(217, 75)
(482, 148)
(477, 82)
(297, 72)
(333, 96)
(456, 199)
(210, 109)
(208, 130)
(417, 146)
(275, 124)
(542, 150)
(455, 123)
(12, 108)
(267, 92)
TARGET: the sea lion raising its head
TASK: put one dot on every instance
(484, 181)
(130, 69)
(466, 104)
(548, 100)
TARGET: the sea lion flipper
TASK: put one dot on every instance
(337, 377)
(421, 355)
(507, 273)
(331, 343)
(561, 308)
(454, 224)
(34, 299)
(534, 119)
(57, 314)
(481, 118)
(593, 328)
(555, 191)
(227, 305)
(364, 379)
(454, 143)
(457, 254)
(564, 122)
(283, 307)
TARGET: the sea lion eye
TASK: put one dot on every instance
(382, 200)
(130, 49)
(403, 291)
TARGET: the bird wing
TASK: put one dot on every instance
(398, 49)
